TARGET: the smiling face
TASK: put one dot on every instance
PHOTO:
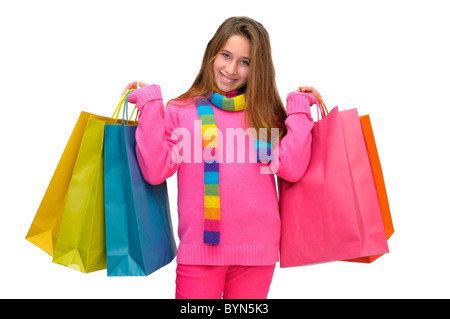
(232, 64)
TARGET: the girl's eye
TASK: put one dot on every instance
(246, 63)
(225, 55)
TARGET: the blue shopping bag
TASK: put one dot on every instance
(139, 234)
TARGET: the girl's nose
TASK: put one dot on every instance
(231, 68)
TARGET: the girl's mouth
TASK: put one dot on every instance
(226, 79)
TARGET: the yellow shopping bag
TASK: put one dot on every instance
(44, 229)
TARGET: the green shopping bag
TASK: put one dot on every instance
(81, 239)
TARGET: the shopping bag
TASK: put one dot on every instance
(377, 174)
(81, 239)
(379, 184)
(44, 229)
(373, 228)
(139, 235)
(332, 213)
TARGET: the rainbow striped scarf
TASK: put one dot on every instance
(231, 101)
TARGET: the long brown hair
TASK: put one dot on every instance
(264, 108)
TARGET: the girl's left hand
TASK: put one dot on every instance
(308, 89)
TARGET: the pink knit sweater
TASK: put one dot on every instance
(250, 219)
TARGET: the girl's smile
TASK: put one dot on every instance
(226, 79)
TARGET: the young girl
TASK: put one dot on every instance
(229, 223)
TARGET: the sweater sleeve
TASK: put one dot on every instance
(294, 149)
(155, 137)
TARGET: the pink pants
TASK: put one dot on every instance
(229, 282)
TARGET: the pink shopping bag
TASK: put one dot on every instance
(332, 213)
(377, 173)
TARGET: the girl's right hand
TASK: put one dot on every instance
(134, 85)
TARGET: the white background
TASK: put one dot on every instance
(387, 58)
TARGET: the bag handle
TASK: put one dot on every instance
(320, 106)
(137, 113)
(123, 102)
(125, 108)
(119, 106)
